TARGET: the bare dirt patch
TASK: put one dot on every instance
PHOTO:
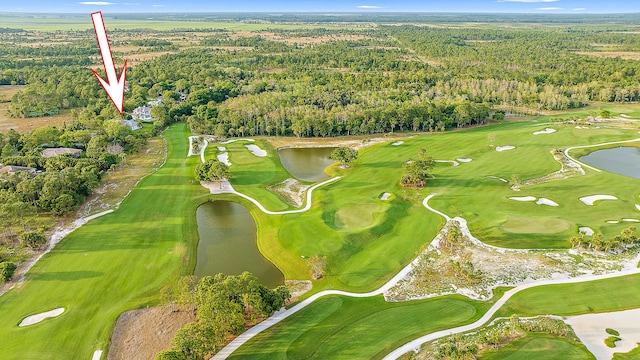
(141, 334)
(7, 91)
(291, 191)
(29, 124)
(626, 55)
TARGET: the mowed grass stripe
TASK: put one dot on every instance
(112, 264)
(339, 327)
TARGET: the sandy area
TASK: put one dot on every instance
(291, 190)
(590, 200)
(637, 206)
(234, 140)
(545, 131)
(586, 230)
(504, 148)
(631, 220)
(613, 221)
(397, 143)
(385, 196)
(590, 329)
(256, 150)
(545, 201)
(222, 148)
(523, 198)
(224, 158)
(141, 334)
(453, 162)
(463, 160)
(97, 355)
(34, 319)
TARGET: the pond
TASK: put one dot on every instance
(307, 164)
(228, 244)
(622, 160)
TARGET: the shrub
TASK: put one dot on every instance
(33, 239)
(612, 332)
(6, 271)
(611, 341)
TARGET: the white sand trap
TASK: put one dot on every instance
(397, 143)
(385, 196)
(591, 330)
(545, 131)
(545, 201)
(34, 319)
(582, 127)
(464, 160)
(499, 178)
(504, 148)
(637, 206)
(625, 115)
(234, 140)
(224, 158)
(255, 150)
(453, 162)
(97, 355)
(631, 220)
(222, 148)
(589, 200)
(586, 230)
(523, 198)
(613, 222)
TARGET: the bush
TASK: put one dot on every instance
(33, 239)
(6, 271)
(611, 341)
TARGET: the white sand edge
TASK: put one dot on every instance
(464, 160)
(548, 202)
(545, 131)
(498, 178)
(385, 196)
(34, 319)
(504, 148)
(97, 355)
(631, 220)
(591, 330)
(590, 200)
(256, 150)
(397, 143)
(567, 150)
(586, 230)
(224, 158)
(637, 206)
(523, 198)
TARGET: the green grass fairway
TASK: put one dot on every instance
(340, 327)
(112, 264)
(526, 225)
(539, 346)
(614, 294)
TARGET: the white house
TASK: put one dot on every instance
(142, 113)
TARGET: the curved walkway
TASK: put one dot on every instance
(566, 152)
(415, 344)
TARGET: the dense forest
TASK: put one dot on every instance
(328, 82)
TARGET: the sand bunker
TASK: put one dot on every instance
(385, 196)
(523, 198)
(499, 178)
(504, 148)
(463, 160)
(453, 162)
(637, 206)
(545, 201)
(613, 222)
(224, 158)
(586, 230)
(591, 330)
(97, 355)
(582, 127)
(590, 200)
(397, 143)
(631, 220)
(545, 131)
(255, 150)
(34, 319)
(222, 148)
(234, 140)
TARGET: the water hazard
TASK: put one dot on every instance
(622, 160)
(228, 244)
(306, 164)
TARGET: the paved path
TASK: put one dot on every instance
(415, 344)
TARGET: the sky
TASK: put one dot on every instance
(504, 6)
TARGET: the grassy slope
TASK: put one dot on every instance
(573, 299)
(339, 327)
(539, 346)
(110, 265)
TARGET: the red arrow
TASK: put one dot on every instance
(114, 86)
